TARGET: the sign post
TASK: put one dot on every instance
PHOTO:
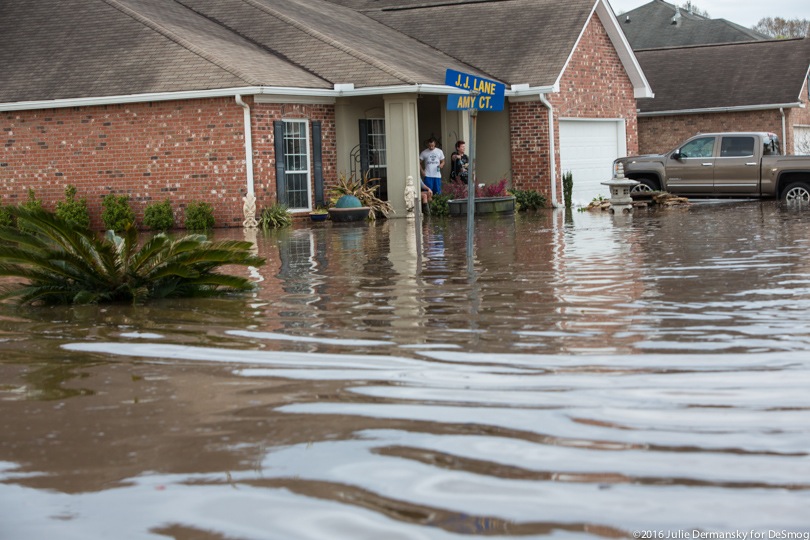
(483, 95)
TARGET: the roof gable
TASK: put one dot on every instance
(758, 74)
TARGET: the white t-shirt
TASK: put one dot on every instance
(432, 159)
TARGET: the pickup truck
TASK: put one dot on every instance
(723, 165)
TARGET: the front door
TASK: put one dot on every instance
(737, 170)
(693, 171)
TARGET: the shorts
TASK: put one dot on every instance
(435, 184)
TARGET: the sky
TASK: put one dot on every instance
(743, 12)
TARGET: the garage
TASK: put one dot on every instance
(587, 149)
(801, 140)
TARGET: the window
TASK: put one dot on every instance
(737, 147)
(699, 148)
(376, 148)
(296, 163)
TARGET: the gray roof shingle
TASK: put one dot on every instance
(651, 26)
(530, 48)
(727, 75)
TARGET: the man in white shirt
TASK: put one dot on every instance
(431, 161)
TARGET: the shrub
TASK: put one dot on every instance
(275, 217)
(528, 199)
(72, 210)
(456, 189)
(117, 215)
(31, 204)
(6, 220)
(439, 206)
(497, 189)
(199, 216)
(159, 216)
(568, 187)
(59, 263)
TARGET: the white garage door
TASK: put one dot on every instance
(587, 149)
(801, 140)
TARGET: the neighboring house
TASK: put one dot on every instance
(661, 24)
(218, 100)
(754, 86)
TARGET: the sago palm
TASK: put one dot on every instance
(62, 264)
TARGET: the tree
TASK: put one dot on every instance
(779, 28)
(692, 8)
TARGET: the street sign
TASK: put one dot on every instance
(485, 95)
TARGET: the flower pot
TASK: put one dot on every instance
(483, 205)
(318, 216)
(342, 215)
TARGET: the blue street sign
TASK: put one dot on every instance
(485, 95)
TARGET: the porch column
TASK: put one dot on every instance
(402, 147)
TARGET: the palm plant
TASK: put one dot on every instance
(64, 264)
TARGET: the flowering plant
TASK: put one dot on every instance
(458, 190)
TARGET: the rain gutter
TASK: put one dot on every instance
(743, 108)
(248, 144)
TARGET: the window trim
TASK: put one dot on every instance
(308, 170)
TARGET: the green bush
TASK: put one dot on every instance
(31, 204)
(439, 206)
(199, 216)
(72, 210)
(568, 187)
(59, 263)
(159, 216)
(528, 199)
(117, 215)
(6, 219)
(275, 217)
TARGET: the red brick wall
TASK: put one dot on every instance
(594, 85)
(184, 150)
(658, 134)
(797, 116)
(264, 167)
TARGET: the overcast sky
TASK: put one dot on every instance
(743, 12)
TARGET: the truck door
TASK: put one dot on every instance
(737, 168)
(693, 170)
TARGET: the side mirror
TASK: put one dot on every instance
(677, 155)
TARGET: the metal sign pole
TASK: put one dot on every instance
(473, 116)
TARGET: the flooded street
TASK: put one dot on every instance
(601, 376)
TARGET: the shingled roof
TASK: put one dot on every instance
(655, 25)
(83, 48)
(759, 74)
(73, 49)
(518, 41)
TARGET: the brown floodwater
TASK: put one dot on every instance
(596, 376)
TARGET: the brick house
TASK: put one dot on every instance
(751, 86)
(218, 101)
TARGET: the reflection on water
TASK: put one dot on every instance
(593, 376)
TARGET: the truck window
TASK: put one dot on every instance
(698, 148)
(771, 147)
(737, 147)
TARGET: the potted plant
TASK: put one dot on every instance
(319, 214)
(489, 199)
(365, 190)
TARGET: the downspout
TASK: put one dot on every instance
(784, 132)
(552, 150)
(249, 208)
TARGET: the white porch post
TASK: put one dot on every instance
(402, 147)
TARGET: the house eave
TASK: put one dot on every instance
(743, 108)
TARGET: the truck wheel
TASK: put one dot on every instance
(796, 192)
(645, 184)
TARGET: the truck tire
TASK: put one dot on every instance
(645, 184)
(796, 192)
